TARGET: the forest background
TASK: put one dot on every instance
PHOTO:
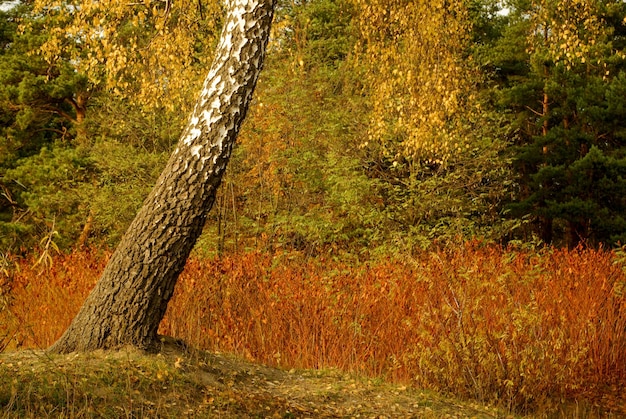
(370, 133)
(394, 205)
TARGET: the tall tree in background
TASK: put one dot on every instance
(40, 105)
(131, 297)
(67, 69)
(560, 70)
(437, 150)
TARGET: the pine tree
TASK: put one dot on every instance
(42, 105)
(559, 65)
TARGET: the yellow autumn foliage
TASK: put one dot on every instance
(153, 51)
(418, 77)
(568, 30)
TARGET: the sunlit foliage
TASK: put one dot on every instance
(570, 31)
(418, 74)
(146, 51)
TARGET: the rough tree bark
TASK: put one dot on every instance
(130, 299)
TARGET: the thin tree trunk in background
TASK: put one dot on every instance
(546, 222)
(130, 299)
(84, 235)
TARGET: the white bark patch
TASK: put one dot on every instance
(215, 106)
(195, 151)
(227, 88)
(210, 118)
(194, 133)
(221, 83)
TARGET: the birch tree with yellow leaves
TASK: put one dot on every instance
(441, 149)
(416, 58)
(149, 51)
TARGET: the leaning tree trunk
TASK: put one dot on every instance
(130, 299)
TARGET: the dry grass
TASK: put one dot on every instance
(177, 383)
(527, 331)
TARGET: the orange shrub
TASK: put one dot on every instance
(521, 329)
(43, 301)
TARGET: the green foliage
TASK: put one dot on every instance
(38, 99)
(452, 202)
(125, 176)
(48, 185)
(586, 198)
(38, 120)
(297, 177)
(122, 122)
(320, 31)
(67, 150)
(567, 117)
(307, 172)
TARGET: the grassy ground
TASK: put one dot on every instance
(179, 383)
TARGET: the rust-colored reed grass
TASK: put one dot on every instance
(43, 300)
(524, 330)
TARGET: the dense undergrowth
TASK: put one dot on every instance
(526, 330)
